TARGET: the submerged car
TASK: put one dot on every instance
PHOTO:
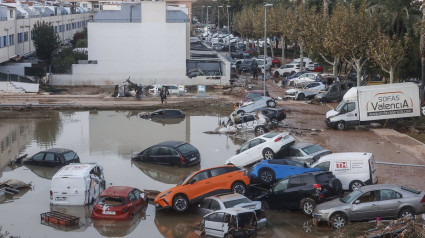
(231, 222)
(221, 202)
(201, 184)
(163, 113)
(302, 191)
(304, 153)
(370, 202)
(255, 104)
(119, 203)
(55, 157)
(265, 146)
(246, 122)
(268, 171)
(170, 152)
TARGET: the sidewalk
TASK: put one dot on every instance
(402, 141)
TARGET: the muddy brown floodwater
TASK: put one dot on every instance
(111, 137)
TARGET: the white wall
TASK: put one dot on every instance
(16, 68)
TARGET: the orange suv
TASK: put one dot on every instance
(201, 184)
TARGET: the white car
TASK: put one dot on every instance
(230, 222)
(172, 89)
(256, 103)
(287, 69)
(304, 78)
(249, 121)
(309, 91)
(264, 146)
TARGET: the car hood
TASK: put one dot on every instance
(331, 113)
(335, 203)
(292, 90)
(255, 205)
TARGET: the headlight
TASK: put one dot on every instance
(165, 194)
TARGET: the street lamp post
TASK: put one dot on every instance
(218, 21)
(202, 14)
(207, 15)
(265, 43)
(228, 29)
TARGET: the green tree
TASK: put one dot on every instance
(46, 41)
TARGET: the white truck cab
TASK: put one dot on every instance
(365, 104)
(77, 184)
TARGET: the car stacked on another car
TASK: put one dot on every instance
(54, 157)
(195, 187)
(308, 91)
(170, 152)
(302, 191)
(224, 201)
(119, 203)
(305, 153)
(246, 122)
(370, 202)
(255, 104)
(265, 146)
(275, 115)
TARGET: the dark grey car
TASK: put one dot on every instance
(303, 152)
(370, 202)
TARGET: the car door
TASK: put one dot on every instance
(199, 186)
(71, 157)
(150, 154)
(365, 207)
(256, 147)
(167, 155)
(214, 224)
(52, 160)
(277, 198)
(243, 154)
(389, 202)
(220, 178)
(139, 202)
(37, 159)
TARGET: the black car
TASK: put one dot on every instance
(302, 191)
(275, 115)
(55, 157)
(245, 66)
(171, 153)
(163, 113)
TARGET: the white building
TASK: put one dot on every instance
(147, 41)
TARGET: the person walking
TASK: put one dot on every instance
(165, 94)
(161, 95)
(254, 69)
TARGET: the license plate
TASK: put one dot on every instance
(108, 213)
(192, 159)
(60, 199)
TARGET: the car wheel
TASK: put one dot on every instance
(260, 130)
(271, 103)
(265, 205)
(356, 184)
(267, 176)
(338, 221)
(335, 186)
(241, 112)
(274, 122)
(239, 187)
(268, 154)
(301, 96)
(180, 203)
(307, 206)
(407, 213)
(340, 125)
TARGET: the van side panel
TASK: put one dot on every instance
(350, 170)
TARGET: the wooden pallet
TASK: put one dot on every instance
(58, 218)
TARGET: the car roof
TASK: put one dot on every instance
(117, 191)
(172, 143)
(75, 170)
(347, 156)
(235, 211)
(378, 186)
(228, 197)
(300, 145)
(57, 150)
(308, 173)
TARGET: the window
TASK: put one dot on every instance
(55, 29)
(205, 204)
(11, 39)
(153, 151)
(131, 197)
(387, 194)
(368, 197)
(214, 205)
(187, 148)
(218, 171)
(26, 36)
(282, 185)
(295, 152)
(216, 217)
(295, 182)
(349, 107)
(164, 151)
(70, 156)
(11, 13)
(137, 193)
(38, 157)
(200, 176)
(20, 37)
(50, 157)
(311, 149)
(244, 147)
(323, 166)
(255, 142)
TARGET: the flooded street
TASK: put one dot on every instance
(111, 137)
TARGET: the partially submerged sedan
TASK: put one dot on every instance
(163, 114)
(54, 157)
(119, 203)
(264, 146)
(370, 202)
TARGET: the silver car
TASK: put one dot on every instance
(255, 104)
(370, 202)
(304, 153)
(221, 202)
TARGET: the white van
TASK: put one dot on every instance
(354, 169)
(77, 184)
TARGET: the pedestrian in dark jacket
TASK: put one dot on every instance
(254, 68)
(161, 94)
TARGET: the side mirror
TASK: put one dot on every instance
(357, 202)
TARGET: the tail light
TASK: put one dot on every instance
(317, 186)
(181, 159)
(278, 139)
(51, 194)
(423, 200)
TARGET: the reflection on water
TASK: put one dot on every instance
(83, 212)
(113, 228)
(165, 174)
(6, 198)
(47, 130)
(165, 121)
(171, 224)
(43, 172)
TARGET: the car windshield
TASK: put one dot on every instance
(111, 201)
(311, 149)
(187, 149)
(186, 179)
(350, 197)
(270, 135)
(340, 106)
(236, 202)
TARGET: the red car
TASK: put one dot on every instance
(119, 203)
(276, 62)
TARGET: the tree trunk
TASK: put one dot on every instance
(301, 58)
(358, 67)
(335, 67)
(422, 52)
(283, 50)
(271, 47)
(391, 75)
(258, 46)
(326, 7)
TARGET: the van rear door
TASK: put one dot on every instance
(68, 191)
